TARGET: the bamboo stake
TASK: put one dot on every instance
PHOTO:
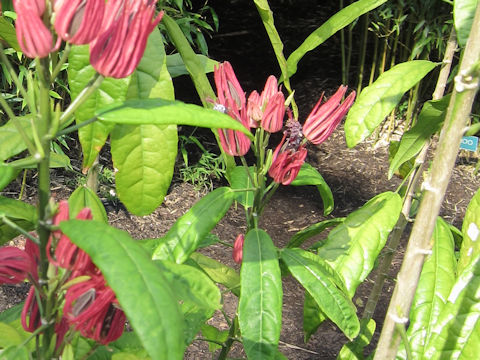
(466, 86)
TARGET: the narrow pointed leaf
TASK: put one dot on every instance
(83, 197)
(165, 112)
(145, 154)
(312, 316)
(176, 66)
(7, 175)
(377, 100)
(10, 138)
(260, 303)
(436, 281)
(353, 350)
(329, 28)
(138, 284)
(457, 331)
(321, 281)
(471, 233)
(239, 179)
(308, 175)
(429, 122)
(80, 72)
(300, 237)
(352, 247)
(186, 234)
(7, 33)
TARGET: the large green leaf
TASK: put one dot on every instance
(352, 247)
(176, 66)
(471, 233)
(260, 303)
(321, 281)
(198, 295)
(377, 100)
(165, 112)
(140, 286)
(312, 316)
(10, 138)
(456, 334)
(83, 197)
(80, 72)
(315, 229)
(330, 27)
(10, 336)
(429, 122)
(7, 33)
(217, 271)
(436, 281)
(185, 235)
(463, 13)
(308, 175)
(145, 154)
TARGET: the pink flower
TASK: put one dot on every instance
(15, 265)
(31, 318)
(78, 21)
(67, 255)
(238, 248)
(287, 160)
(325, 118)
(231, 100)
(123, 36)
(92, 308)
(268, 109)
(34, 38)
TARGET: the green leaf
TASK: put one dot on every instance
(260, 303)
(456, 334)
(353, 350)
(308, 175)
(80, 72)
(299, 238)
(176, 66)
(17, 209)
(138, 284)
(166, 112)
(377, 100)
(15, 353)
(429, 122)
(10, 138)
(239, 179)
(197, 293)
(330, 27)
(83, 197)
(7, 175)
(7, 33)
(145, 154)
(10, 336)
(217, 271)
(11, 314)
(471, 233)
(312, 316)
(436, 281)
(321, 281)
(188, 231)
(463, 14)
(211, 333)
(352, 247)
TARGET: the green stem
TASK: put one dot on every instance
(75, 127)
(363, 52)
(67, 117)
(61, 62)
(434, 190)
(228, 344)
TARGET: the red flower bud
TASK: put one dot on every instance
(286, 162)
(31, 318)
(15, 265)
(238, 248)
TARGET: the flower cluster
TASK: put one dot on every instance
(90, 306)
(267, 111)
(117, 30)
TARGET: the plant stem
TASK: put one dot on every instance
(363, 52)
(435, 187)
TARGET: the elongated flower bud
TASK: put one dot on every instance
(287, 161)
(324, 118)
(238, 248)
(78, 21)
(15, 265)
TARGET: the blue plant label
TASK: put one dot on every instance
(469, 143)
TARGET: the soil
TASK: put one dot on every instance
(354, 175)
